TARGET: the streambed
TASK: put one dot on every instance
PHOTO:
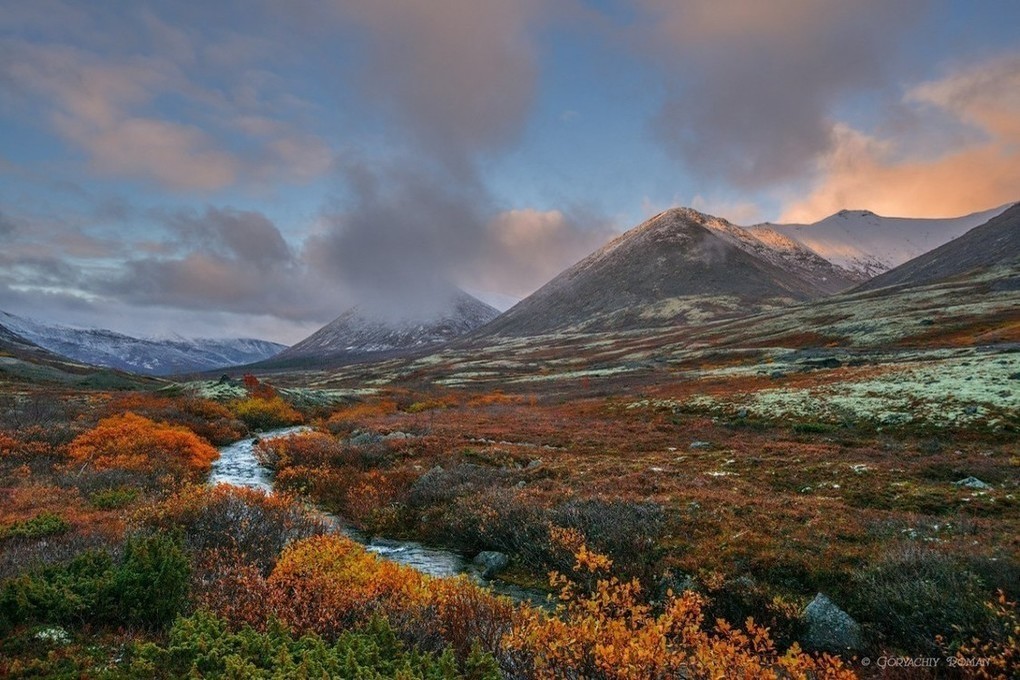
(239, 466)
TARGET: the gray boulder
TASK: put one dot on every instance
(491, 562)
(972, 483)
(364, 439)
(829, 628)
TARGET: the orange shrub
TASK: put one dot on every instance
(329, 583)
(609, 633)
(262, 413)
(132, 442)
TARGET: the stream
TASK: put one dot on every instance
(238, 465)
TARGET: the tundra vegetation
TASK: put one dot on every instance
(678, 528)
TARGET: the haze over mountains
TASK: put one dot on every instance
(359, 332)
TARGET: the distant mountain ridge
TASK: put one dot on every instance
(360, 332)
(146, 356)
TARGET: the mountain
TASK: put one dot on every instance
(139, 355)
(993, 245)
(359, 332)
(867, 244)
(680, 265)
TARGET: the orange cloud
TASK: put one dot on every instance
(980, 171)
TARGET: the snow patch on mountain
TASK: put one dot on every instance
(149, 356)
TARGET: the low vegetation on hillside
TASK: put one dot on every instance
(672, 542)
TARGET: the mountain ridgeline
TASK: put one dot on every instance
(145, 356)
(679, 266)
(993, 247)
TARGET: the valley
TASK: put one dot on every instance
(711, 450)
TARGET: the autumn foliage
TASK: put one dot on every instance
(133, 442)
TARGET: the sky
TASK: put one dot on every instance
(254, 168)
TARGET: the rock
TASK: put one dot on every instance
(829, 628)
(534, 463)
(970, 410)
(224, 380)
(972, 483)
(700, 445)
(775, 375)
(927, 322)
(396, 435)
(491, 562)
(364, 439)
(828, 362)
(742, 413)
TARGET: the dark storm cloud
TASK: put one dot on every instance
(243, 235)
(398, 241)
(750, 87)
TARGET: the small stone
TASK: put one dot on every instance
(700, 445)
(972, 483)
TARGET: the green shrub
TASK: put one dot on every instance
(113, 499)
(202, 646)
(42, 525)
(911, 597)
(146, 588)
(151, 585)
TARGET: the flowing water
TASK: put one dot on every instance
(239, 466)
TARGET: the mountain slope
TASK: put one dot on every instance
(138, 355)
(867, 244)
(994, 244)
(679, 265)
(359, 332)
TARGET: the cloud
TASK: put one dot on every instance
(902, 175)
(7, 226)
(457, 75)
(525, 248)
(397, 241)
(228, 261)
(244, 235)
(751, 87)
(157, 111)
